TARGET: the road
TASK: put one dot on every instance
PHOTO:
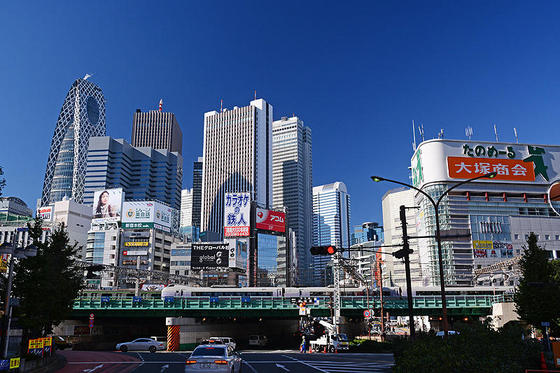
(278, 361)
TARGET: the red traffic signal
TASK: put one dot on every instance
(323, 250)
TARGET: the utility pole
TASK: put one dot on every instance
(406, 251)
(380, 286)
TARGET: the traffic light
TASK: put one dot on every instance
(323, 250)
(402, 253)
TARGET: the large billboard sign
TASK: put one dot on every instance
(45, 213)
(447, 160)
(271, 220)
(107, 205)
(237, 214)
(146, 214)
(492, 249)
(209, 255)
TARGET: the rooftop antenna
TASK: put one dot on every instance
(161, 104)
(421, 131)
(515, 132)
(469, 132)
(87, 76)
(255, 94)
(413, 137)
(221, 105)
(496, 133)
(440, 134)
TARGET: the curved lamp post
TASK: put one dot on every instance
(490, 175)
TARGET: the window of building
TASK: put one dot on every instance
(516, 236)
(550, 256)
(547, 237)
(557, 237)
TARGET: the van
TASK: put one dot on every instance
(258, 340)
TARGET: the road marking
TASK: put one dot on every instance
(123, 362)
(304, 363)
(250, 366)
(163, 368)
(282, 367)
(93, 369)
(140, 356)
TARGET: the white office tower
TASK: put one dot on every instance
(292, 187)
(394, 273)
(186, 208)
(331, 225)
(237, 158)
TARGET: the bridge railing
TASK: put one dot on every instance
(279, 303)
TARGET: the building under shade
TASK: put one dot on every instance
(82, 116)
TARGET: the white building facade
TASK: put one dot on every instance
(331, 224)
(292, 187)
(500, 212)
(186, 208)
(237, 155)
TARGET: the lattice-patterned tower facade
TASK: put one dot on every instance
(82, 116)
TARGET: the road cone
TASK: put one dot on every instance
(544, 367)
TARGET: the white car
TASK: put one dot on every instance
(141, 344)
(213, 359)
(227, 341)
(258, 340)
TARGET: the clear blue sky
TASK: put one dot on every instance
(357, 73)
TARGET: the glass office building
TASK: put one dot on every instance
(82, 116)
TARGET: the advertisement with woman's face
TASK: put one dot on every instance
(107, 205)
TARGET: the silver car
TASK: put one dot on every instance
(213, 358)
(141, 344)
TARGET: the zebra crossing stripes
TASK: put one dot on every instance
(349, 367)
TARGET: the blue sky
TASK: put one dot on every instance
(357, 73)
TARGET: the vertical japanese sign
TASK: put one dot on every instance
(237, 213)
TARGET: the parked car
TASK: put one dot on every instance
(258, 340)
(60, 343)
(141, 344)
(213, 359)
(441, 333)
(230, 342)
(160, 339)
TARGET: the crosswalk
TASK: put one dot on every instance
(334, 366)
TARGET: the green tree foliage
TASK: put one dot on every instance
(537, 298)
(477, 348)
(47, 283)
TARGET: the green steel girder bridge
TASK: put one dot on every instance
(466, 305)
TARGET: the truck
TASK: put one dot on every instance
(330, 341)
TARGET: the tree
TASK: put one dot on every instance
(537, 296)
(47, 283)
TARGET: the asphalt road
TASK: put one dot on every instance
(253, 362)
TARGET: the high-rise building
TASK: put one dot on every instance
(197, 192)
(292, 187)
(331, 224)
(367, 232)
(157, 129)
(82, 116)
(237, 158)
(500, 212)
(186, 207)
(142, 173)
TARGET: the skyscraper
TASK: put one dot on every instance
(82, 116)
(331, 224)
(158, 130)
(237, 158)
(197, 192)
(292, 186)
(186, 207)
(143, 173)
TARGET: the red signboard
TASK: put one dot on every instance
(506, 169)
(271, 220)
(236, 231)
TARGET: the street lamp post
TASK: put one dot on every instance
(435, 204)
(15, 252)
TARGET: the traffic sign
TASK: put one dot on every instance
(91, 316)
(367, 314)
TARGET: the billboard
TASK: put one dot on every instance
(107, 205)
(135, 253)
(45, 213)
(209, 255)
(237, 214)
(492, 249)
(270, 220)
(447, 160)
(146, 214)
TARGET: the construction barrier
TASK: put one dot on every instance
(173, 337)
